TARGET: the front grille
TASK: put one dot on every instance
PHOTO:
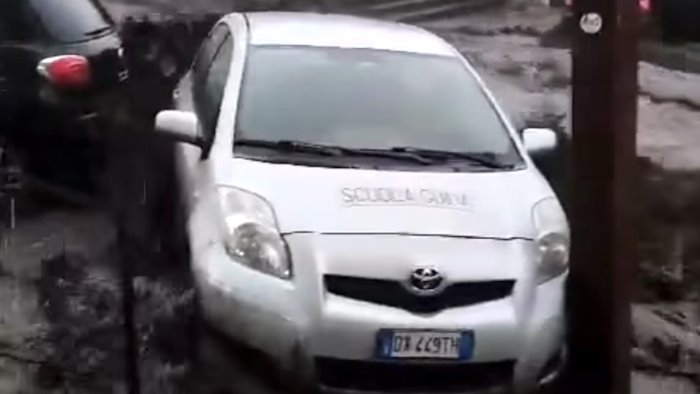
(412, 377)
(393, 293)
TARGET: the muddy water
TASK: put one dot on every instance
(58, 326)
(61, 320)
(62, 323)
(80, 300)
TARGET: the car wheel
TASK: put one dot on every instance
(222, 365)
(209, 361)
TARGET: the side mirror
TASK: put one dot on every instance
(180, 126)
(539, 141)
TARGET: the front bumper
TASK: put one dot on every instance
(305, 329)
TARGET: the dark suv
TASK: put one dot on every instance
(60, 64)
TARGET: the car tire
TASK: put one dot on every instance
(224, 365)
(208, 360)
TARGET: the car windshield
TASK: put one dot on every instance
(72, 20)
(368, 99)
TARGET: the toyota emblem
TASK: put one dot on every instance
(425, 281)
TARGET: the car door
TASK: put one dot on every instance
(202, 92)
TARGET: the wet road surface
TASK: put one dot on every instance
(61, 325)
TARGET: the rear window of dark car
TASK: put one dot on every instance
(72, 20)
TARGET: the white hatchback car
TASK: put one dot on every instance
(361, 210)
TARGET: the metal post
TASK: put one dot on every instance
(604, 103)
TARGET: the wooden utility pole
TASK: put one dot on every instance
(602, 211)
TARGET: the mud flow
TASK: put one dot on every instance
(95, 292)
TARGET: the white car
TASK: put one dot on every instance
(360, 209)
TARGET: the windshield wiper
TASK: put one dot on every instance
(485, 159)
(99, 31)
(291, 146)
(330, 150)
(391, 154)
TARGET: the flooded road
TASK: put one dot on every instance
(59, 328)
(62, 322)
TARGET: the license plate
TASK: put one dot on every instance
(407, 344)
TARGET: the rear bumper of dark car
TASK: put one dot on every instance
(81, 105)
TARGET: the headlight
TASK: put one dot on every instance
(552, 239)
(252, 237)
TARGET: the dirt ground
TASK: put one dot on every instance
(62, 321)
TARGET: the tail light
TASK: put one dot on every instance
(645, 6)
(66, 71)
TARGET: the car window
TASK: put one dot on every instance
(206, 53)
(209, 78)
(72, 20)
(363, 98)
(18, 22)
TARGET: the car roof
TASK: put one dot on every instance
(341, 31)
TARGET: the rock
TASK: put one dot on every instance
(642, 360)
(675, 346)
(666, 348)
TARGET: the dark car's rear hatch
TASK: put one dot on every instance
(83, 27)
(70, 21)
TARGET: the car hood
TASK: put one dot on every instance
(358, 201)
